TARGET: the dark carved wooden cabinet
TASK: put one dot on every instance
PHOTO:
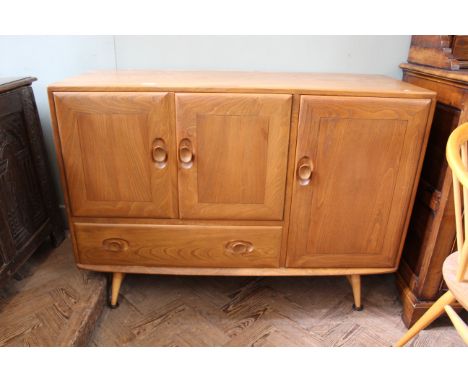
(431, 233)
(28, 207)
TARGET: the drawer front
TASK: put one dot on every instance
(178, 246)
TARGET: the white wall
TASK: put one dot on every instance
(348, 54)
(52, 58)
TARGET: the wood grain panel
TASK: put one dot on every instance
(239, 144)
(344, 166)
(365, 154)
(235, 172)
(127, 176)
(107, 142)
(178, 246)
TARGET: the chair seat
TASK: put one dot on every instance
(458, 288)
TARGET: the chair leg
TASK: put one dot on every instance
(460, 326)
(355, 281)
(427, 318)
(117, 278)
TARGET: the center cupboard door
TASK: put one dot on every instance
(118, 153)
(232, 152)
(356, 163)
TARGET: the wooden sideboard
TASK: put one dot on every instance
(28, 208)
(431, 235)
(225, 173)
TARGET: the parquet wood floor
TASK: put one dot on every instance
(53, 303)
(262, 311)
(50, 302)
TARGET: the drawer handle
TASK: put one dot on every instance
(304, 171)
(239, 247)
(115, 245)
(185, 153)
(159, 153)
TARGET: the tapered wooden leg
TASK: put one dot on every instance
(459, 324)
(427, 318)
(355, 281)
(117, 279)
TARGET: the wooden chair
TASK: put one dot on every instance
(455, 266)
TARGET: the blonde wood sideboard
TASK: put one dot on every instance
(230, 173)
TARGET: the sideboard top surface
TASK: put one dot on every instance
(237, 82)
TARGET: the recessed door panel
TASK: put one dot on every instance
(119, 153)
(232, 155)
(349, 210)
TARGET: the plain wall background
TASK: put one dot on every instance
(52, 58)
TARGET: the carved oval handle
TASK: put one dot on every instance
(239, 247)
(185, 153)
(159, 152)
(115, 245)
(304, 171)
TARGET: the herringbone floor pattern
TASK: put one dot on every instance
(50, 302)
(269, 311)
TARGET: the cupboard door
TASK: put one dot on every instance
(232, 155)
(356, 165)
(119, 153)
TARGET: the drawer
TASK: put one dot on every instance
(178, 245)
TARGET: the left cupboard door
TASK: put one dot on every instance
(118, 153)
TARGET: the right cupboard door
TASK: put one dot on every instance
(356, 164)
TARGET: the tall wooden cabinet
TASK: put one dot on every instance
(431, 235)
(239, 173)
(28, 208)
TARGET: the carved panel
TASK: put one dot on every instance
(20, 198)
(28, 205)
(38, 152)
